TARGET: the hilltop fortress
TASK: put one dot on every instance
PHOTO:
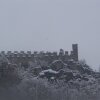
(24, 57)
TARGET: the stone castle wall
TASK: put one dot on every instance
(24, 57)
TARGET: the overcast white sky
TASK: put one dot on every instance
(51, 25)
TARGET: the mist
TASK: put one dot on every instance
(50, 25)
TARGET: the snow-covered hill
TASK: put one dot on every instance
(57, 81)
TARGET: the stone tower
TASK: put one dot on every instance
(75, 51)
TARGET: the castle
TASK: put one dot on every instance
(24, 57)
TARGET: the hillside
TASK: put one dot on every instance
(71, 80)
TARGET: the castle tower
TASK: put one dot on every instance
(75, 51)
(61, 53)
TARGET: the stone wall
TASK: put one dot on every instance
(25, 57)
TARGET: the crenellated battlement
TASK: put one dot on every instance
(19, 56)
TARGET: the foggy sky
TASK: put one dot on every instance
(51, 25)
